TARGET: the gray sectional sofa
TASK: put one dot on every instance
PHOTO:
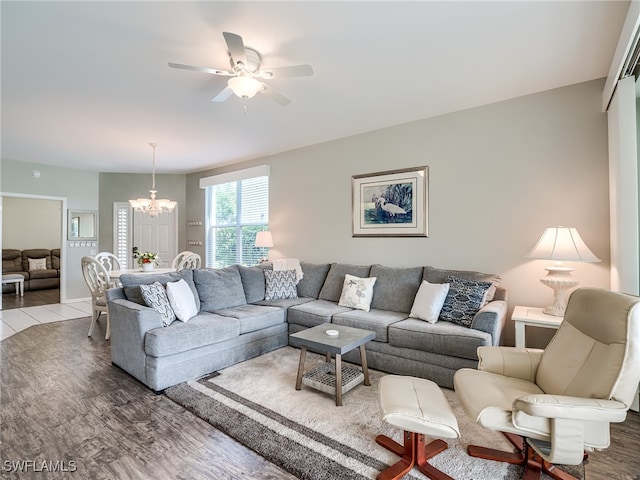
(236, 323)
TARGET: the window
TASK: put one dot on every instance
(235, 212)
(122, 233)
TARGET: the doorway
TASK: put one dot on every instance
(34, 222)
(134, 229)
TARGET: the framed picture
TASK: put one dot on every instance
(391, 204)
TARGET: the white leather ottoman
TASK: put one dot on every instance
(419, 407)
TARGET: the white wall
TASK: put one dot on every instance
(499, 174)
(31, 223)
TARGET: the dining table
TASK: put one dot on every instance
(114, 275)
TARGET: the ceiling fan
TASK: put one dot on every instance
(246, 74)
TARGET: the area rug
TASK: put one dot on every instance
(303, 432)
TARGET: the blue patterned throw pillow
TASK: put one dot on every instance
(463, 301)
(155, 296)
(280, 284)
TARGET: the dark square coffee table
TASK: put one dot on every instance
(328, 378)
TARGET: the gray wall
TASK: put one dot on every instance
(78, 187)
(499, 174)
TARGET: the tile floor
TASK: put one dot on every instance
(14, 320)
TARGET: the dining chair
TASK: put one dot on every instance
(192, 260)
(97, 279)
(110, 263)
(178, 258)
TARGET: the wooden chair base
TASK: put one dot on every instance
(415, 451)
(524, 455)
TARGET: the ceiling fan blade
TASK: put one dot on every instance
(200, 69)
(236, 47)
(290, 71)
(274, 95)
(223, 95)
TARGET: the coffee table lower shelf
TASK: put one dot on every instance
(323, 378)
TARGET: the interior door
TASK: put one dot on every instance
(157, 234)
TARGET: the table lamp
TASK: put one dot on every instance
(264, 240)
(561, 244)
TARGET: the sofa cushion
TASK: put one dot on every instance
(332, 287)
(357, 292)
(464, 299)
(313, 279)
(12, 260)
(219, 288)
(254, 317)
(396, 288)
(280, 284)
(131, 283)
(182, 300)
(314, 313)
(429, 301)
(443, 338)
(37, 274)
(284, 303)
(375, 320)
(202, 330)
(155, 296)
(36, 253)
(253, 281)
(55, 259)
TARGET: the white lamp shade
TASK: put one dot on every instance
(245, 87)
(264, 239)
(562, 244)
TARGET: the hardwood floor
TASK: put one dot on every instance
(62, 400)
(31, 298)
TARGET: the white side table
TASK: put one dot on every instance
(17, 279)
(533, 317)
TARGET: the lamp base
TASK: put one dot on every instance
(559, 279)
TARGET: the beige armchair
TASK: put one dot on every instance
(554, 405)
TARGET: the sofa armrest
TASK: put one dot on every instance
(512, 362)
(129, 324)
(491, 319)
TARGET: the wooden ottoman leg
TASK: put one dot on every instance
(415, 451)
(406, 451)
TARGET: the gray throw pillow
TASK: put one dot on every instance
(463, 301)
(280, 284)
(155, 296)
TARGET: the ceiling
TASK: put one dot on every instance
(86, 84)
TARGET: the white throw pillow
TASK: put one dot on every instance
(37, 264)
(182, 300)
(429, 301)
(357, 292)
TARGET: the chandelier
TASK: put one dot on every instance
(153, 206)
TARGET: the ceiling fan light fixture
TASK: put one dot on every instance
(245, 86)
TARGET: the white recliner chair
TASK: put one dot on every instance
(554, 405)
